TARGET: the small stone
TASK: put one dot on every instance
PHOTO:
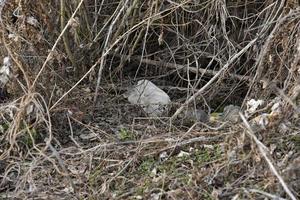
(191, 116)
(231, 113)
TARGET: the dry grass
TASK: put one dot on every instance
(66, 132)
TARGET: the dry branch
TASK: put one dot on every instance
(264, 152)
(183, 67)
(223, 69)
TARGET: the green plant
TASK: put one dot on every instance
(146, 165)
(125, 134)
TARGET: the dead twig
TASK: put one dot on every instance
(50, 55)
(65, 36)
(106, 47)
(61, 163)
(272, 196)
(222, 70)
(264, 152)
(183, 67)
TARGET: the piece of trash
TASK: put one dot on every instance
(208, 146)
(151, 98)
(260, 122)
(13, 37)
(272, 148)
(163, 156)
(264, 120)
(2, 129)
(68, 190)
(5, 72)
(153, 172)
(253, 105)
(74, 22)
(183, 154)
(29, 109)
(276, 109)
(32, 21)
(155, 196)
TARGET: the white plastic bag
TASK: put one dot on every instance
(153, 100)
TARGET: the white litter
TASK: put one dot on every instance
(253, 105)
(151, 98)
(163, 156)
(260, 122)
(183, 154)
(32, 21)
(277, 108)
(5, 72)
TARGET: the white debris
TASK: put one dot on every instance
(5, 71)
(1, 130)
(264, 120)
(153, 100)
(163, 156)
(253, 105)
(13, 37)
(155, 196)
(32, 21)
(68, 190)
(277, 108)
(74, 22)
(183, 154)
(208, 146)
(260, 122)
(6, 61)
(153, 172)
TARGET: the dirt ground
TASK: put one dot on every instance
(68, 132)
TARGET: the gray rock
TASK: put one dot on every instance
(231, 113)
(192, 115)
(201, 116)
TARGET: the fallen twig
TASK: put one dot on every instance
(264, 151)
(183, 67)
(272, 196)
(223, 69)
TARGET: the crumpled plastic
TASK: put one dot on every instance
(151, 98)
